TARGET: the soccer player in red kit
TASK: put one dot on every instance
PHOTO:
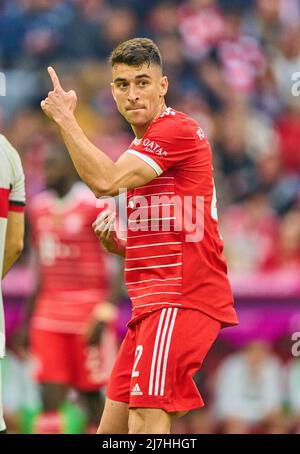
(175, 273)
(73, 288)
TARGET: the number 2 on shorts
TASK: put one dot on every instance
(138, 354)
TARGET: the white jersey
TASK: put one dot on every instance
(12, 198)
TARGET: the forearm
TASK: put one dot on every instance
(94, 167)
(11, 255)
(14, 241)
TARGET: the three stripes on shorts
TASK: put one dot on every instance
(161, 351)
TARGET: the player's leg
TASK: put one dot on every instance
(50, 351)
(143, 419)
(162, 384)
(91, 369)
(53, 395)
(114, 419)
(59, 415)
(50, 420)
(94, 406)
(115, 415)
(87, 373)
(149, 421)
(141, 365)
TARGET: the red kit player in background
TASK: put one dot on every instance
(179, 288)
(70, 304)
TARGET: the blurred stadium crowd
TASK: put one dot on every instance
(231, 65)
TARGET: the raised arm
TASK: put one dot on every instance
(95, 168)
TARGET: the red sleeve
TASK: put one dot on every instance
(17, 207)
(169, 142)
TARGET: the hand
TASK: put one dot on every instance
(59, 104)
(104, 230)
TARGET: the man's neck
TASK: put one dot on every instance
(140, 131)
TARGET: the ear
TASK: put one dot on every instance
(164, 84)
(112, 87)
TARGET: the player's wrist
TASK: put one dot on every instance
(67, 121)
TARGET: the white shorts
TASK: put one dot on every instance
(2, 423)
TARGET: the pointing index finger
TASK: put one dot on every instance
(54, 78)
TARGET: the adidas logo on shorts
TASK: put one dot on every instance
(136, 391)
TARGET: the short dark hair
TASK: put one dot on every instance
(136, 52)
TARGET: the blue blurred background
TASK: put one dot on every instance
(230, 64)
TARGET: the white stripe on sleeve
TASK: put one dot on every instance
(147, 159)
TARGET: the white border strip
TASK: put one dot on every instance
(156, 304)
(155, 256)
(153, 285)
(147, 159)
(151, 267)
(153, 244)
(155, 293)
(160, 280)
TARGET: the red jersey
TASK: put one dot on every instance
(174, 252)
(72, 265)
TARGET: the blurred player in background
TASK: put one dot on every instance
(12, 202)
(72, 333)
(177, 284)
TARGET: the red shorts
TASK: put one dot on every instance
(62, 358)
(159, 357)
